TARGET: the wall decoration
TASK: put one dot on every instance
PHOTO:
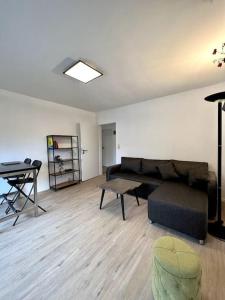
(219, 56)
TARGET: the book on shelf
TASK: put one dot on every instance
(50, 142)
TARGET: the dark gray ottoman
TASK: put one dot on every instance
(180, 207)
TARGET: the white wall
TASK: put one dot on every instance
(24, 124)
(108, 145)
(181, 126)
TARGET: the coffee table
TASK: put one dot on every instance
(120, 187)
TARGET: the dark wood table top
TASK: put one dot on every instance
(19, 167)
(120, 186)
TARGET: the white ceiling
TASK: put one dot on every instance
(145, 48)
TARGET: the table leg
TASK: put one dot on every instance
(35, 193)
(122, 205)
(136, 195)
(103, 193)
(117, 196)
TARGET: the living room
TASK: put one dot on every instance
(154, 63)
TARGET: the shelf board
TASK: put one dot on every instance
(61, 135)
(63, 148)
(64, 184)
(64, 160)
(63, 173)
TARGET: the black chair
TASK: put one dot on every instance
(26, 161)
(19, 185)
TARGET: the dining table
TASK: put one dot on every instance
(13, 169)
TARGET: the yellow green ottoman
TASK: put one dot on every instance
(176, 270)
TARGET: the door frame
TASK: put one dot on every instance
(100, 149)
(100, 145)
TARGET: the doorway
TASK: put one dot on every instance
(108, 145)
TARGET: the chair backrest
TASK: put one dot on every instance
(37, 163)
(27, 161)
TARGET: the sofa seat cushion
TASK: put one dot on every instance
(178, 206)
(136, 177)
(182, 195)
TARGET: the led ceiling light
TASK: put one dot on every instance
(81, 71)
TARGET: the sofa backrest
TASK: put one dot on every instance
(183, 168)
(150, 167)
(131, 164)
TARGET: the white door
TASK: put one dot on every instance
(89, 153)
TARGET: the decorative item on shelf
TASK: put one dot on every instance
(50, 142)
(220, 56)
(59, 160)
(55, 145)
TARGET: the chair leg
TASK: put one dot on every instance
(10, 205)
(27, 198)
(14, 199)
(7, 210)
(9, 191)
(136, 195)
(122, 205)
(19, 190)
(38, 205)
(102, 197)
(15, 221)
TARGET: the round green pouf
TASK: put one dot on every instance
(176, 270)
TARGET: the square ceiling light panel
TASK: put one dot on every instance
(82, 72)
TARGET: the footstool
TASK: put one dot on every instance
(176, 270)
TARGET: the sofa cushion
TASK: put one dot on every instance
(150, 166)
(131, 164)
(180, 194)
(198, 178)
(168, 171)
(183, 167)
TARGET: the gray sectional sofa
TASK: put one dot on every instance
(181, 194)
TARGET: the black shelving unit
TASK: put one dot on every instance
(65, 171)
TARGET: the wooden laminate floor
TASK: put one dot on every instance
(76, 251)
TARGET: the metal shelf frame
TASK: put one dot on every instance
(53, 172)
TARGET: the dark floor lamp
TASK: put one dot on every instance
(217, 229)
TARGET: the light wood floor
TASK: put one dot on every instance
(76, 251)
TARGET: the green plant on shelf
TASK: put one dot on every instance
(60, 162)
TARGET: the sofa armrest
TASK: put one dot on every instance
(112, 169)
(212, 195)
